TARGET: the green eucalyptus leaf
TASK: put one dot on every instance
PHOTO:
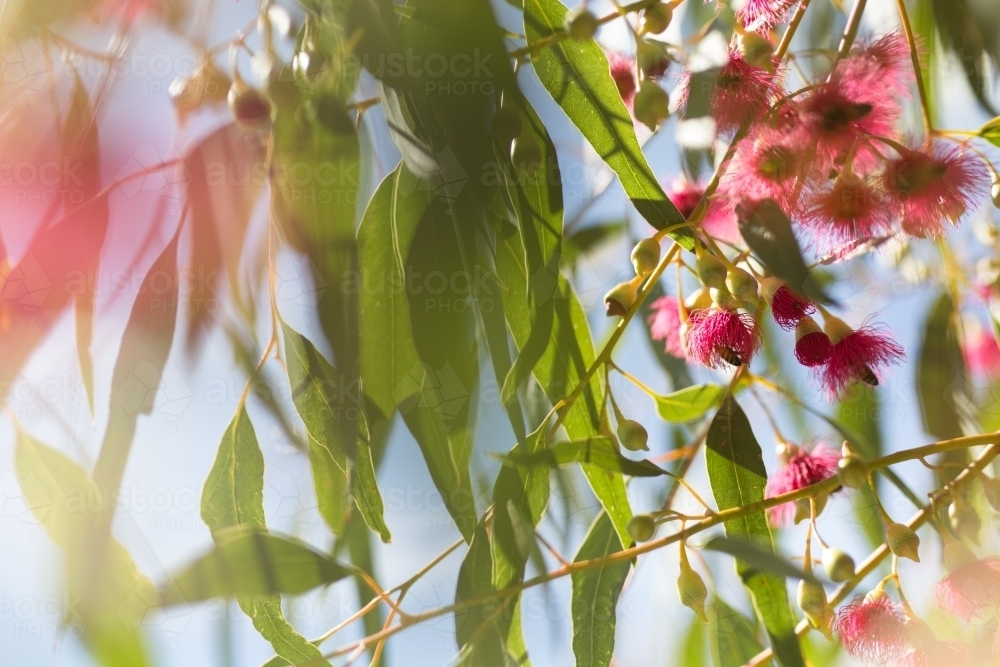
(737, 476)
(733, 637)
(577, 75)
(392, 372)
(860, 412)
(757, 558)
(600, 451)
(252, 563)
(768, 232)
(690, 403)
(595, 596)
(232, 502)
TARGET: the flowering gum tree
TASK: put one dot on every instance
(811, 253)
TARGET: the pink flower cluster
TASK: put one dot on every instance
(802, 468)
(714, 336)
(830, 158)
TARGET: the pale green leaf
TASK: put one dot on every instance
(595, 596)
(690, 403)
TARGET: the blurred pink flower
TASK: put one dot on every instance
(623, 73)
(982, 353)
(720, 219)
(743, 92)
(850, 209)
(971, 590)
(872, 628)
(665, 325)
(801, 468)
(762, 15)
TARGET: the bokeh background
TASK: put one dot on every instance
(158, 517)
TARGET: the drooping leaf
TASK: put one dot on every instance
(142, 357)
(599, 451)
(226, 179)
(690, 403)
(318, 393)
(595, 596)
(232, 503)
(969, 31)
(737, 476)
(943, 384)
(577, 75)
(81, 153)
(768, 232)
(110, 596)
(860, 411)
(733, 637)
(695, 644)
(569, 350)
(393, 377)
(757, 558)
(252, 564)
(481, 629)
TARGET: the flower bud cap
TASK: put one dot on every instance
(620, 299)
(902, 541)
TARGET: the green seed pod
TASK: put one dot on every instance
(757, 50)
(902, 541)
(580, 23)
(619, 299)
(956, 554)
(655, 19)
(651, 104)
(645, 256)
(642, 527)
(742, 285)
(724, 300)
(633, 435)
(526, 153)
(691, 590)
(838, 565)
(811, 597)
(853, 471)
(711, 271)
(506, 125)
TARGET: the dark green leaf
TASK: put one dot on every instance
(251, 563)
(599, 451)
(318, 392)
(738, 477)
(690, 403)
(733, 636)
(481, 629)
(568, 353)
(577, 75)
(860, 412)
(391, 370)
(943, 384)
(757, 558)
(768, 232)
(595, 596)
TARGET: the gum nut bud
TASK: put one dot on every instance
(700, 300)
(711, 271)
(633, 435)
(692, 591)
(250, 109)
(875, 595)
(651, 104)
(652, 58)
(956, 554)
(645, 256)
(722, 298)
(642, 527)
(207, 85)
(506, 124)
(619, 299)
(526, 153)
(995, 191)
(838, 565)
(991, 490)
(581, 24)
(902, 541)
(742, 285)
(655, 19)
(811, 597)
(852, 470)
(757, 50)
(964, 520)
